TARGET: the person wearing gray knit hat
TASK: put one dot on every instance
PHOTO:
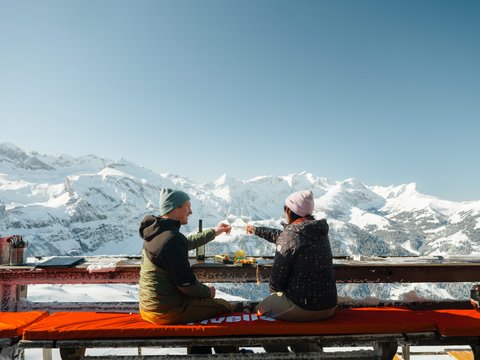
(169, 291)
(171, 199)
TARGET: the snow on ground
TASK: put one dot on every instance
(83, 293)
(95, 293)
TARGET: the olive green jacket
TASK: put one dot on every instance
(166, 277)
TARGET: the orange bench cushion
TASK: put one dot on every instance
(91, 325)
(455, 322)
(13, 323)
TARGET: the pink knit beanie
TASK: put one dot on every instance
(300, 202)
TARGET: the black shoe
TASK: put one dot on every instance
(225, 349)
(246, 351)
(475, 296)
(199, 350)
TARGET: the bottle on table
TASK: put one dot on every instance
(200, 255)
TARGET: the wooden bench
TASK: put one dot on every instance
(382, 328)
(14, 281)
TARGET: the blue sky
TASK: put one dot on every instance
(384, 91)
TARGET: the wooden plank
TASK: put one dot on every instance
(243, 341)
(107, 306)
(407, 274)
(8, 341)
(473, 341)
(24, 275)
(461, 355)
(130, 307)
(414, 305)
(421, 338)
(36, 344)
(359, 355)
(345, 272)
(256, 341)
(8, 297)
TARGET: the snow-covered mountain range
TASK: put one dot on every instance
(92, 205)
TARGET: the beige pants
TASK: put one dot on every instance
(197, 309)
(278, 306)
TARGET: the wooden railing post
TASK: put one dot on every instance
(8, 297)
(386, 350)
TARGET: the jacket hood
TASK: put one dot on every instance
(310, 229)
(152, 226)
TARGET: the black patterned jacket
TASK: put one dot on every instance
(302, 268)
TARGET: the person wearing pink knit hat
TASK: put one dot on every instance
(302, 281)
(301, 202)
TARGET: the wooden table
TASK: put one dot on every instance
(125, 270)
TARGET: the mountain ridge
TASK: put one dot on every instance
(91, 196)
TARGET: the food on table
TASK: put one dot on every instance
(240, 254)
(225, 258)
(239, 258)
(249, 261)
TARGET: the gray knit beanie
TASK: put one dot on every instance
(171, 199)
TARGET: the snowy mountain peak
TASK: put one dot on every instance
(221, 181)
(12, 155)
(396, 191)
(7, 147)
(296, 179)
(351, 184)
(348, 194)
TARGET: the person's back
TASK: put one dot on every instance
(303, 266)
(169, 290)
(157, 292)
(302, 279)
